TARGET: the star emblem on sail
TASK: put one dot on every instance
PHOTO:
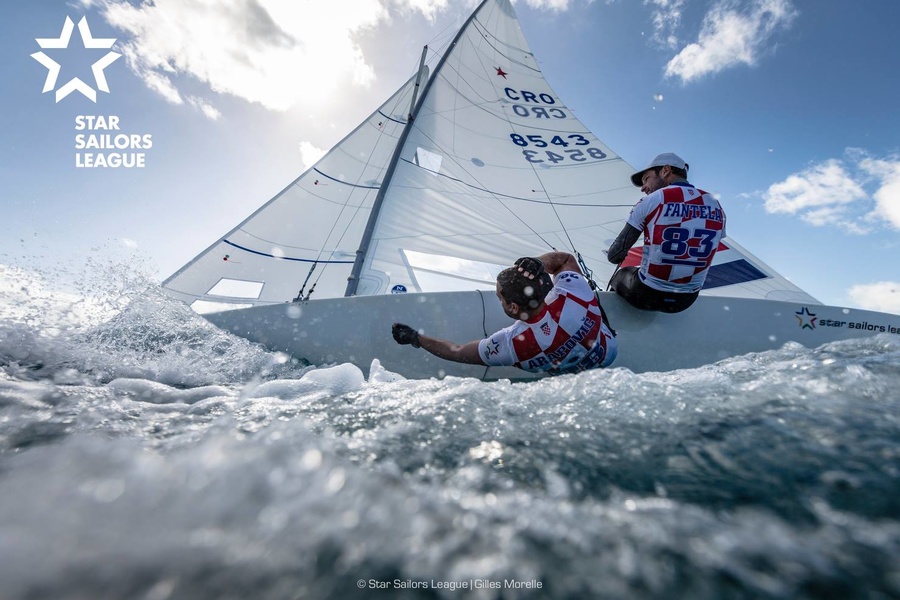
(806, 319)
(53, 67)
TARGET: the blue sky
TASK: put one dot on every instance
(786, 110)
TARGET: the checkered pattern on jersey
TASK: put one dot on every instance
(559, 337)
(681, 236)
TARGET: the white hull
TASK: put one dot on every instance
(358, 330)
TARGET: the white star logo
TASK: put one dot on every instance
(75, 83)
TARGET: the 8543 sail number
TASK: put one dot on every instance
(560, 152)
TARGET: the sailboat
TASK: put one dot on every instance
(411, 216)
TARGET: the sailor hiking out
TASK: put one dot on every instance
(682, 227)
(559, 324)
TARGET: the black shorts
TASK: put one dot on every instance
(628, 284)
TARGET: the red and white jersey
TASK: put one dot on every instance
(682, 229)
(567, 336)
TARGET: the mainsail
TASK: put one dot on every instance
(492, 165)
(308, 233)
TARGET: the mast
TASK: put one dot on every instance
(353, 279)
(412, 104)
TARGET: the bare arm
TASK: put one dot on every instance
(556, 262)
(461, 353)
(619, 249)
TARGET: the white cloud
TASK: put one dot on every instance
(278, 53)
(429, 8)
(558, 5)
(882, 296)
(158, 83)
(887, 197)
(834, 192)
(819, 194)
(666, 20)
(729, 38)
(205, 107)
(310, 154)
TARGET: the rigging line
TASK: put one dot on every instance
(429, 48)
(400, 101)
(272, 242)
(480, 57)
(447, 34)
(508, 209)
(324, 199)
(609, 283)
(483, 103)
(534, 170)
(483, 326)
(472, 236)
(362, 252)
(348, 156)
(274, 201)
(512, 60)
(555, 212)
(543, 187)
(484, 189)
(500, 194)
(400, 98)
(547, 194)
(346, 204)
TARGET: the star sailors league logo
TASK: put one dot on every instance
(806, 319)
(53, 67)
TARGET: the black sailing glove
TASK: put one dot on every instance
(532, 266)
(404, 334)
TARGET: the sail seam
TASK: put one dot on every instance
(501, 195)
(480, 29)
(277, 198)
(356, 185)
(305, 260)
(359, 207)
(363, 250)
(505, 116)
(390, 118)
(279, 244)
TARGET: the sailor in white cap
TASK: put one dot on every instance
(682, 228)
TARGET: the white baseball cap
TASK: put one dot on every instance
(665, 159)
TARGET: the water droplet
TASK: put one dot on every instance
(311, 460)
(335, 481)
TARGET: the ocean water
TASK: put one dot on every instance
(146, 454)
